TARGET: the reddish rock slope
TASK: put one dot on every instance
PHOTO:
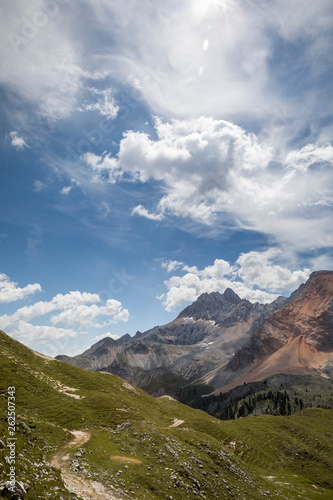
(297, 339)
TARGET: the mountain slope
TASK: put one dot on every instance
(100, 437)
(296, 339)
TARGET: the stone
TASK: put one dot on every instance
(14, 492)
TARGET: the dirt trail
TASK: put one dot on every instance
(84, 488)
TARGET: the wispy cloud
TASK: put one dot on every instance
(168, 56)
(38, 186)
(105, 103)
(66, 190)
(143, 212)
(170, 265)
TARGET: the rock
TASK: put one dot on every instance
(17, 491)
(170, 450)
(123, 426)
(25, 428)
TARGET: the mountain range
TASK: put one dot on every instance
(222, 341)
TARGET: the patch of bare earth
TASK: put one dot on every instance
(127, 460)
(168, 397)
(44, 356)
(176, 422)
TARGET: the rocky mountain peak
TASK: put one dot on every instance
(208, 305)
(231, 296)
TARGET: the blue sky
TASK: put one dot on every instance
(153, 151)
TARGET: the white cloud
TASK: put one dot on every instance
(193, 158)
(252, 270)
(258, 269)
(143, 212)
(104, 335)
(27, 332)
(40, 58)
(10, 292)
(171, 265)
(104, 167)
(85, 316)
(17, 141)
(59, 302)
(105, 105)
(66, 190)
(311, 154)
(79, 311)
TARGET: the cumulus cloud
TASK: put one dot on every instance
(193, 158)
(10, 292)
(27, 332)
(79, 311)
(216, 174)
(17, 141)
(70, 300)
(258, 269)
(85, 316)
(255, 277)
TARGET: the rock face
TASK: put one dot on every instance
(221, 341)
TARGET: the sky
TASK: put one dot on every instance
(152, 151)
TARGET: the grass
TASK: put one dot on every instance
(134, 451)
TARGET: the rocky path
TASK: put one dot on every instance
(83, 488)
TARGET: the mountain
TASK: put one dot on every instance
(204, 336)
(81, 434)
(222, 341)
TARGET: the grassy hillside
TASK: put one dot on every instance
(134, 446)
